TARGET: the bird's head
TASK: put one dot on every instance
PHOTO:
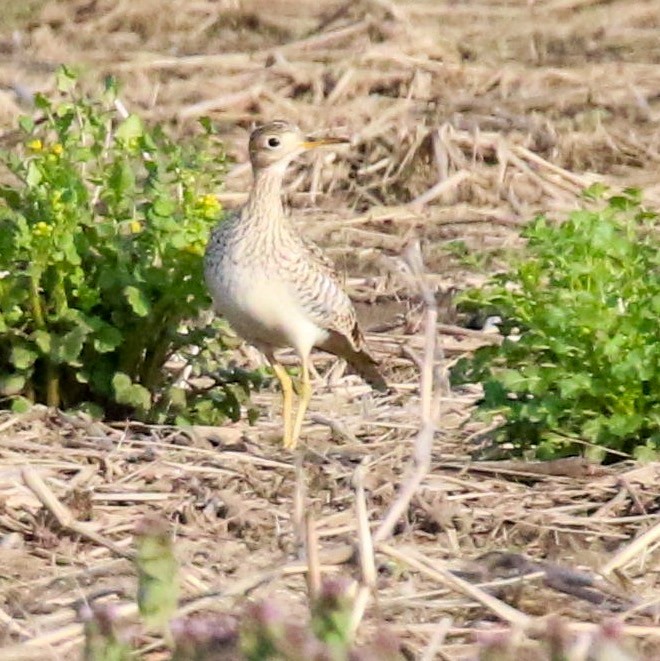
(277, 143)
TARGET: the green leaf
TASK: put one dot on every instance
(623, 424)
(495, 395)
(595, 192)
(33, 176)
(11, 384)
(41, 102)
(179, 241)
(164, 207)
(71, 344)
(130, 128)
(122, 178)
(647, 454)
(43, 340)
(129, 393)
(111, 86)
(574, 384)
(22, 357)
(177, 398)
(137, 300)
(68, 247)
(513, 380)
(207, 124)
(107, 338)
(26, 123)
(11, 196)
(65, 78)
(20, 405)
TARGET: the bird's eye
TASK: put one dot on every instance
(273, 142)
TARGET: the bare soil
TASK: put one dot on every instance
(466, 119)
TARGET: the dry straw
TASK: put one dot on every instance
(465, 120)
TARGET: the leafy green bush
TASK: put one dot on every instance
(580, 312)
(103, 225)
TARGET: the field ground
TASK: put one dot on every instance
(466, 118)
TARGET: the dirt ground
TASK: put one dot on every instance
(465, 119)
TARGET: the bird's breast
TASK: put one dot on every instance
(260, 305)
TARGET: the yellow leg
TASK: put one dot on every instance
(287, 401)
(305, 396)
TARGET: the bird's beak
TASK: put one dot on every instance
(322, 142)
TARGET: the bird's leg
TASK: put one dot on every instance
(287, 401)
(305, 396)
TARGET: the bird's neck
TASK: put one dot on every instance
(265, 199)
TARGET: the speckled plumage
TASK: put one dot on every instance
(274, 287)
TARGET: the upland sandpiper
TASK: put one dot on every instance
(274, 287)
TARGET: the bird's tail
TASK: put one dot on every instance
(367, 367)
(359, 359)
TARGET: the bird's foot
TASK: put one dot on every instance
(289, 441)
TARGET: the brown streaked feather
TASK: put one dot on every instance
(356, 356)
(346, 339)
(323, 297)
(323, 262)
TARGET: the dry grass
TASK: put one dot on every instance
(465, 119)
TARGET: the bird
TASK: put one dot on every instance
(276, 288)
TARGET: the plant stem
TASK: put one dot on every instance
(52, 385)
(131, 352)
(35, 300)
(156, 357)
(52, 376)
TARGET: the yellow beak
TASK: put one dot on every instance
(321, 142)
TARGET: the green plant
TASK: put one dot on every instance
(158, 585)
(261, 632)
(104, 640)
(580, 359)
(467, 256)
(103, 224)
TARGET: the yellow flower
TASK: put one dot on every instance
(194, 249)
(135, 226)
(56, 203)
(35, 145)
(57, 149)
(42, 229)
(208, 205)
(209, 202)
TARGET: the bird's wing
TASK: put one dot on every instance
(321, 260)
(323, 298)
